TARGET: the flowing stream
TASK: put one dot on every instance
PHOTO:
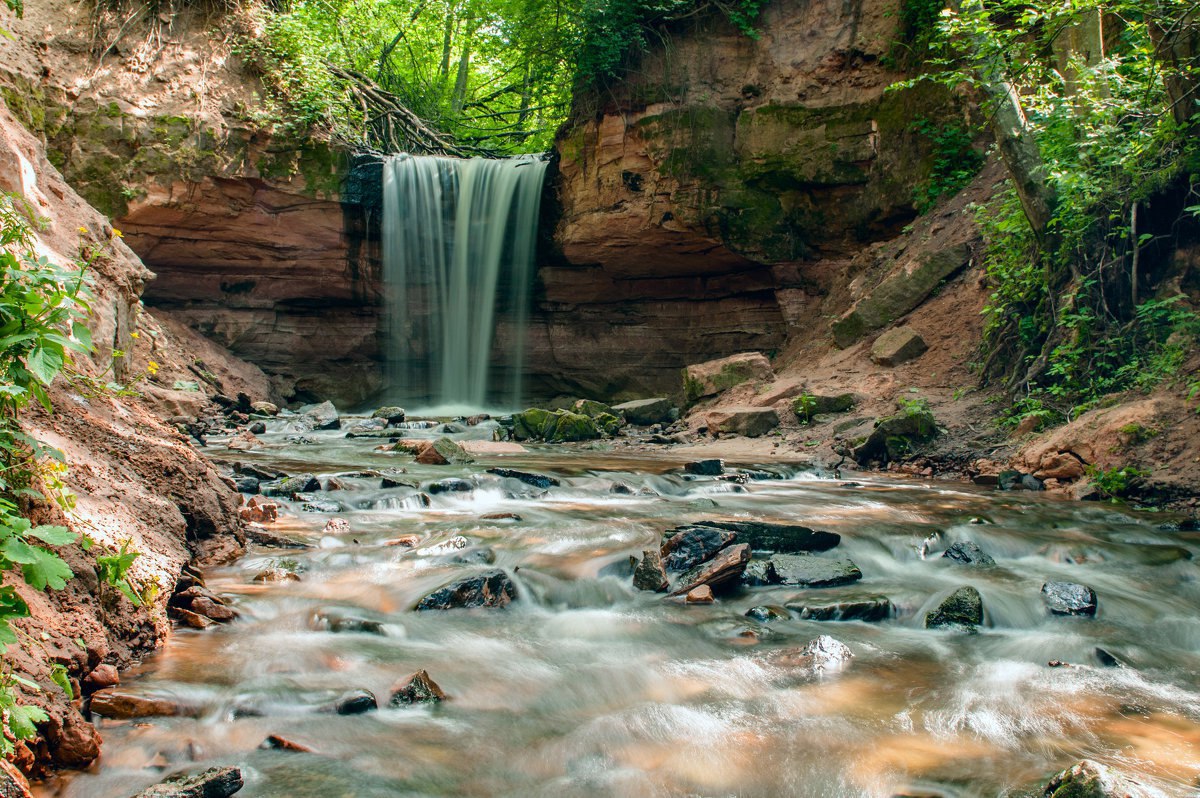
(458, 245)
(587, 687)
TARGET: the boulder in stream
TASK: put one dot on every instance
(488, 589)
(1069, 598)
(705, 468)
(453, 485)
(783, 538)
(391, 414)
(113, 702)
(726, 567)
(1090, 779)
(806, 570)
(321, 416)
(644, 412)
(212, 783)
(820, 654)
(759, 573)
(968, 553)
(874, 608)
(694, 545)
(355, 702)
(417, 689)
(649, 574)
(442, 451)
(962, 608)
(536, 480)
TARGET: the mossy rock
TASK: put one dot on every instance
(896, 437)
(532, 424)
(808, 405)
(963, 608)
(609, 423)
(591, 408)
(572, 427)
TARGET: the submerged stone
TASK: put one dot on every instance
(487, 589)
(877, 608)
(356, 702)
(1069, 598)
(765, 613)
(808, 571)
(962, 608)
(1090, 779)
(968, 553)
(706, 468)
(536, 480)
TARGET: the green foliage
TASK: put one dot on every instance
(917, 32)
(1116, 483)
(805, 407)
(955, 161)
(113, 570)
(916, 407)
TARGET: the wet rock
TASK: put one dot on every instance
(247, 485)
(765, 613)
(500, 517)
(301, 483)
(340, 623)
(716, 376)
(276, 575)
(700, 595)
(558, 426)
(808, 571)
(300, 440)
(450, 428)
(390, 414)
(442, 451)
(967, 553)
(896, 346)
(13, 783)
(492, 447)
(112, 702)
(621, 489)
(706, 468)
(261, 474)
(1015, 480)
(336, 526)
(101, 677)
(360, 428)
(693, 546)
(386, 483)
(212, 783)
(477, 419)
(783, 538)
(417, 689)
(193, 619)
(644, 412)
(477, 555)
(450, 486)
(750, 422)
(896, 437)
(819, 654)
(591, 408)
(211, 609)
(726, 567)
(867, 609)
(536, 480)
(622, 568)
(257, 428)
(759, 573)
(356, 702)
(962, 608)
(319, 417)
(488, 589)
(1090, 779)
(1069, 598)
(1107, 659)
(650, 574)
(277, 743)
(265, 408)
(243, 441)
(321, 507)
(259, 534)
(259, 511)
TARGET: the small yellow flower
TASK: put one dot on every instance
(152, 368)
(134, 335)
(117, 233)
(83, 229)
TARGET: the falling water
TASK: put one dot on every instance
(458, 246)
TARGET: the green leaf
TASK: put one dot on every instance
(44, 363)
(58, 675)
(47, 569)
(22, 721)
(54, 535)
(82, 334)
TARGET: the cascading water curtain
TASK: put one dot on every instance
(459, 237)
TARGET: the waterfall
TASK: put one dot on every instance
(458, 245)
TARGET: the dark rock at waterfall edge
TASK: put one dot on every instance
(869, 609)
(650, 574)
(808, 571)
(692, 546)
(536, 480)
(487, 589)
(450, 486)
(968, 553)
(212, 783)
(706, 468)
(356, 702)
(962, 608)
(783, 538)
(1069, 598)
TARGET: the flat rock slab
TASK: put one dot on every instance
(212, 783)
(877, 608)
(487, 589)
(897, 346)
(962, 608)
(783, 538)
(694, 545)
(807, 571)
(116, 703)
(644, 412)
(727, 566)
(714, 376)
(750, 422)
(1069, 598)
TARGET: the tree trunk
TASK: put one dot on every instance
(1175, 33)
(464, 69)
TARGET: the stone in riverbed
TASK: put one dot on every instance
(442, 451)
(450, 486)
(390, 414)
(356, 702)
(783, 538)
(113, 702)
(276, 743)
(765, 613)
(962, 608)
(750, 422)
(265, 408)
(726, 567)
(487, 589)
(896, 346)
(101, 677)
(417, 689)
(1069, 598)
(693, 546)
(536, 480)
(339, 623)
(649, 573)
(700, 595)
(706, 468)
(322, 416)
(715, 376)
(867, 609)
(244, 441)
(808, 571)
(968, 553)
(300, 483)
(212, 783)
(1090, 779)
(275, 574)
(822, 653)
(759, 573)
(644, 412)
(492, 447)
(247, 485)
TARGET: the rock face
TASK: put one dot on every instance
(714, 376)
(751, 422)
(962, 608)
(488, 589)
(1069, 598)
